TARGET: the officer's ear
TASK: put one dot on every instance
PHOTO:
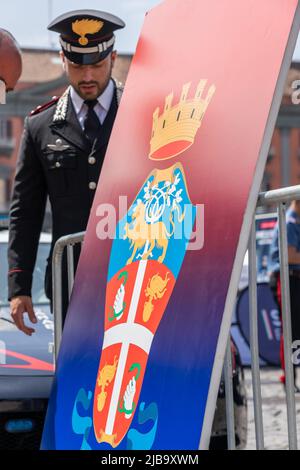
(63, 60)
(113, 57)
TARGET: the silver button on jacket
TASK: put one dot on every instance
(92, 185)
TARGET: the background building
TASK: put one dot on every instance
(283, 164)
(42, 78)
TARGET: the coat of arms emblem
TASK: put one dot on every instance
(145, 260)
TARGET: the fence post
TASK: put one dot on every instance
(57, 294)
(229, 397)
(70, 260)
(256, 385)
(57, 257)
(287, 329)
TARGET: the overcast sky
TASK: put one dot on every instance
(28, 19)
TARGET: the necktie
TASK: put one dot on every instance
(92, 125)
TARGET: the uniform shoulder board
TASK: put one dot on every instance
(42, 107)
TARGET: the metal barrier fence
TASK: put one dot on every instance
(279, 198)
(276, 197)
(68, 242)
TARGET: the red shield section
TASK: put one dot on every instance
(136, 300)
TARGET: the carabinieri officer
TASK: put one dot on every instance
(62, 151)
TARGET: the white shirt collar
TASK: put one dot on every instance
(104, 100)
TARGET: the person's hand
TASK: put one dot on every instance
(18, 306)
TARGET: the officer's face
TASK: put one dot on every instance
(89, 80)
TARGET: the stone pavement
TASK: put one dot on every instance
(274, 411)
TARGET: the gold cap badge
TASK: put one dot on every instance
(83, 27)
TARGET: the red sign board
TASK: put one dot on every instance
(150, 312)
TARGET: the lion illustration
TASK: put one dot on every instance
(144, 235)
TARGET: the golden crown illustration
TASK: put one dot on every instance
(175, 130)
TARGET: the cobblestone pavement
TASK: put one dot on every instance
(274, 411)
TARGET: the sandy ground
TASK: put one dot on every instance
(274, 411)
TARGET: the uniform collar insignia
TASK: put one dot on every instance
(62, 107)
(62, 104)
(119, 91)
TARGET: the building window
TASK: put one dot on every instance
(7, 140)
(3, 200)
(5, 129)
(266, 182)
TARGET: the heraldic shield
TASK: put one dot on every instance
(146, 257)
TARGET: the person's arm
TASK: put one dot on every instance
(26, 218)
(294, 255)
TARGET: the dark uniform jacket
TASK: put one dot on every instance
(57, 160)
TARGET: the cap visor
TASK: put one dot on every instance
(87, 59)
